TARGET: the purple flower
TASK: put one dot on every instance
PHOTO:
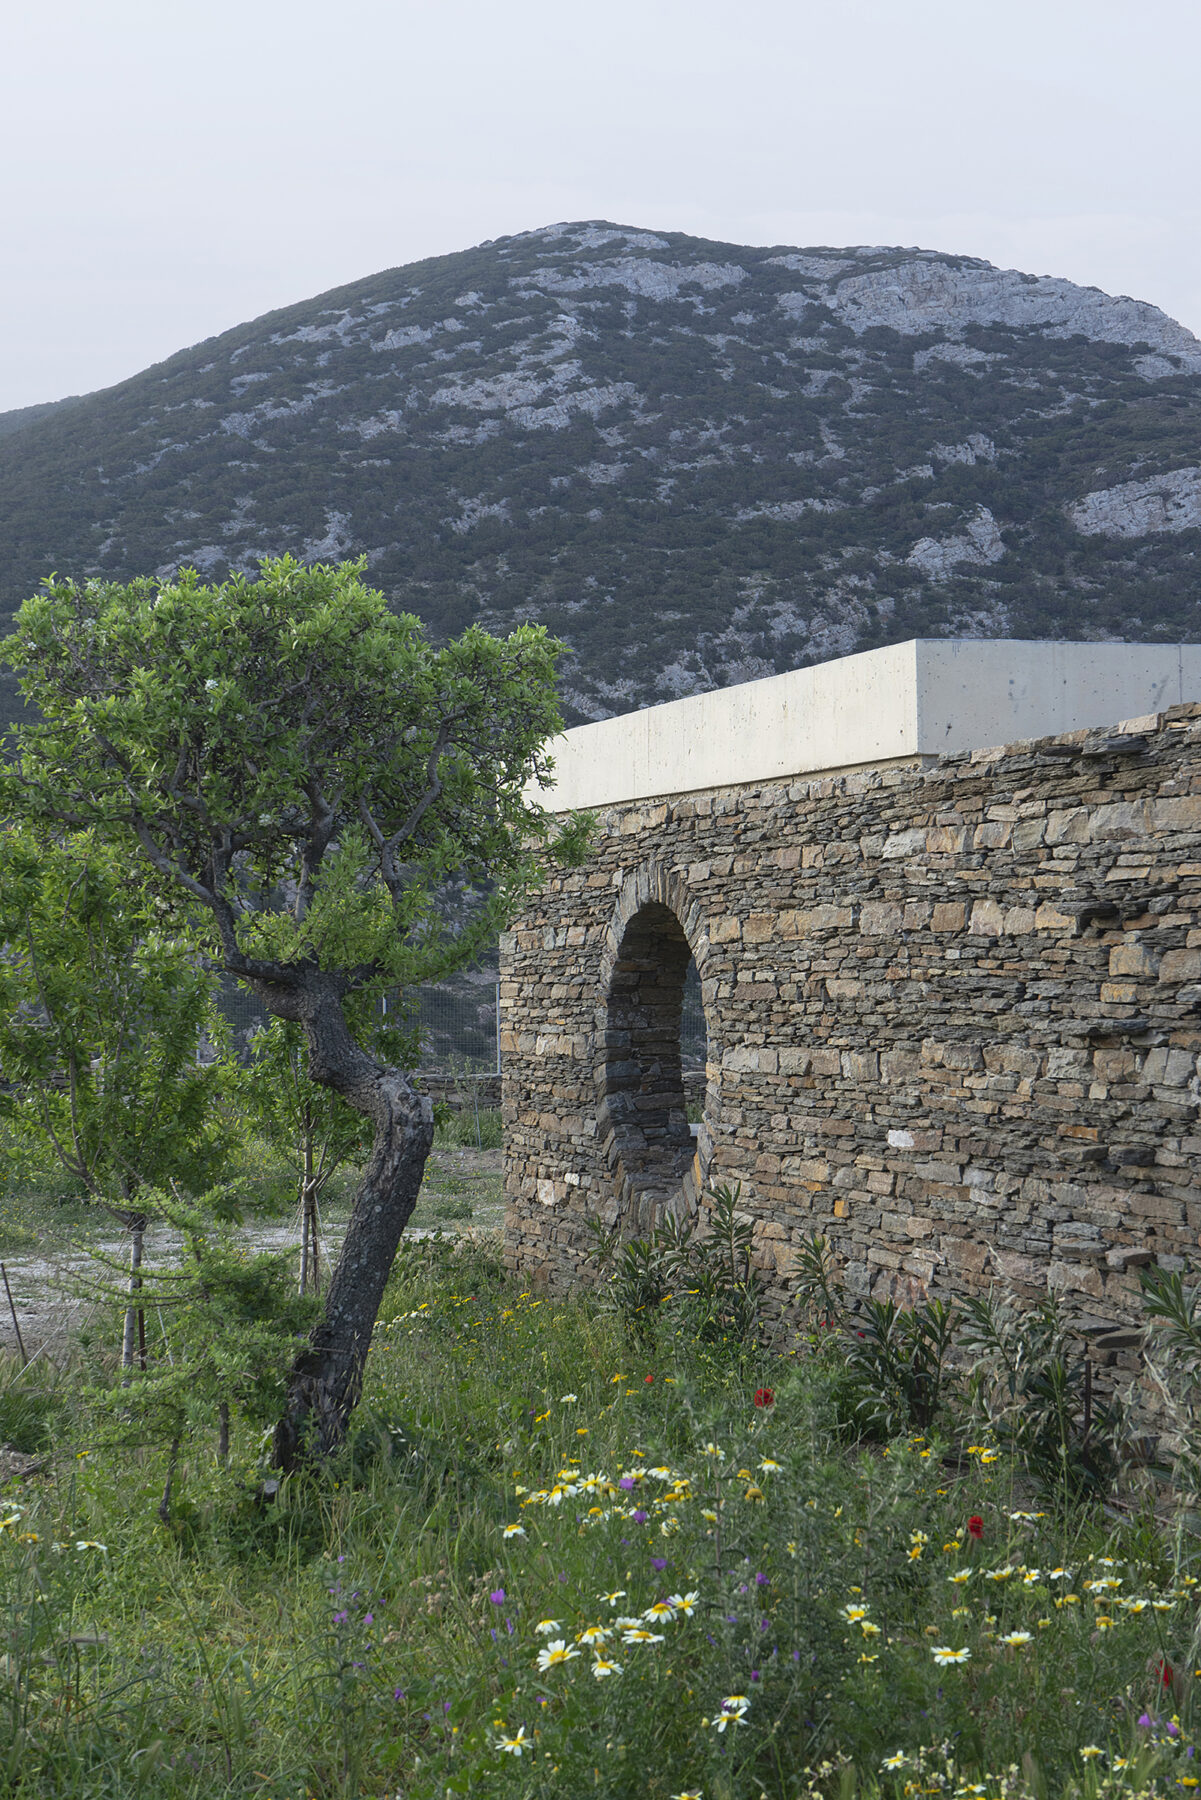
(492, 1634)
(796, 1656)
(561, 1578)
(369, 1618)
(509, 1626)
(742, 1589)
(731, 1618)
(1146, 1721)
(1172, 1729)
(341, 1618)
(754, 1674)
(763, 1624)
(398, 1693)
(762, 1580)
(639, 1517)
(626, 1482)
(658, 1562)
(446, 1706)
(497, 1596)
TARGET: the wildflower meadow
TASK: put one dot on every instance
(561, 1556)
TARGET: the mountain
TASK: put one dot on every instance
(697, 462)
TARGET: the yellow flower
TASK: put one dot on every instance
(1088, 1751)
(513, 1531)
(661, 1609)
(1017, 1639)
(601, 1667)
(554, 1654)
(853, 1614)
(547, 1627)
(752, 1493)
(1103, 1622)
(865, 1658)
(942, 1653)
(868, 1629)
(593, 1634)
(516, 1745)
(959, 1577)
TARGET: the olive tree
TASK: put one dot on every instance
(300, 772)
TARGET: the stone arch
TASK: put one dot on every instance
(656, 1164)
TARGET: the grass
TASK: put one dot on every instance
(526, 1491)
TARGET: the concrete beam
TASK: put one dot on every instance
(927, 697)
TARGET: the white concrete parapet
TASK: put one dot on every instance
(922, 698)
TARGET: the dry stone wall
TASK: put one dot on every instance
(954, 1018)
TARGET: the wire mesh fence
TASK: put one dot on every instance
(459, 1022)
(459, 1025)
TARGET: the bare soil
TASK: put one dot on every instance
(55, 1284)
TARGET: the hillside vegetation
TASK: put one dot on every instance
(697, 462)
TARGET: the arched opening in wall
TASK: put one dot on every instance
(644, 1123)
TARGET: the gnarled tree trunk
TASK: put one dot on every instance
(327, 1376)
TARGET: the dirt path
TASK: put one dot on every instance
(53, 1286)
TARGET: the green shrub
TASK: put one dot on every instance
(469, 1128)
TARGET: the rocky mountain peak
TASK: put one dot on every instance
(697, 462)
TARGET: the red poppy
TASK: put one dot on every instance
(975, 1526)
(1165, 1671)
(649, 1378)
(765, 1397)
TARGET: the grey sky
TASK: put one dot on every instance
(173, 169)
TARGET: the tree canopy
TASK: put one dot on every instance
(293, 758)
